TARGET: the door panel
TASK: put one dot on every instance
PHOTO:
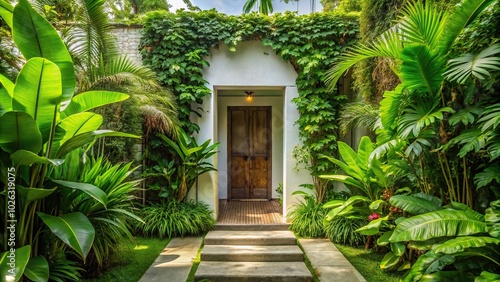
(249, 152)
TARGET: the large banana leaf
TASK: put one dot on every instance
(459, 244)
(487, 277)
(24, 157)
(413, 205)
(37, 269)
(22, 255)
(365, 149)
(6, 92)
(74, 125)
(28, 195)
(6, 10)
(435, 224)
(428, 263)
(88, 137)
(89, 189)
(35, 37)
(389, 260)
(492, 219)
(92, 99)
(74, 229)
(38, 93)
(348, 203)
(347, 169)
(19, 131)
(448, 276)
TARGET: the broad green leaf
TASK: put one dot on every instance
(373, 226)
(390, 107)
(398, 248)
(492, 219)
(449, 276)
(375, 205)
(365, 149)
(344, 179)
(384, 239)
(27, 195)
(74, 229)
(6, 92)
(6, 10)
(38, 93)
(89, 189)
(37, 269)
(427, 244)
(465, 208)
(333, 204)
(487, 277)
(413, 205)
(74, 125)
(350, 158)
(92, 99)
(19, 131)
(15, 268)
(36, 37)
(389, 260)
(435, 224)
(23, 157)
(348, 203)
(459, 244)
(88, 137)
(428, 263)
(346, 168)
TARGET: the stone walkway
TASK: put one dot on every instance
(174, 263)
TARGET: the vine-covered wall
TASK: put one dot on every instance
(176, 47)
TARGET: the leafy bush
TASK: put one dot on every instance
(342, 230)
(176, 219)
(307, 218)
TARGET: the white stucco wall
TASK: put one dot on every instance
(252, 67)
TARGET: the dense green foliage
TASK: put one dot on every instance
(175, 46)
(176, 219)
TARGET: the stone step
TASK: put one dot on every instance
(216, 271)
(251, 253)
(276, 237)
(252, 227)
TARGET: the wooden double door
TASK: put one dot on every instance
(249, 153)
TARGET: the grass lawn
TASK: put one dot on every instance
(132, 260)
(367, 263)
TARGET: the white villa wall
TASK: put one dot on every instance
(251, 67)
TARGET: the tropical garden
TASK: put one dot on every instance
(421, 189)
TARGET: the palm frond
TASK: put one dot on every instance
(247, 8)
(420, 115)
(422, 68)
(391, 105)
(479, 66)
(468, 11)
(423, 23)
(388, 45)
(488, 175)
(358, 114)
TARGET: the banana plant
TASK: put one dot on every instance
(41, 122)
(449, 235)
(190, 162)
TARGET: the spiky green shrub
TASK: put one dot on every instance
(307, 218)
(342, 230)
(176, 219)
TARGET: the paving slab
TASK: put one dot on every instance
(174, 261)
(216, 271)
(251, 253)
(230, 237)
(329, 262)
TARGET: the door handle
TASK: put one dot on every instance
(252, 157)
(245, 157)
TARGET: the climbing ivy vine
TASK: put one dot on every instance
(176, 47)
